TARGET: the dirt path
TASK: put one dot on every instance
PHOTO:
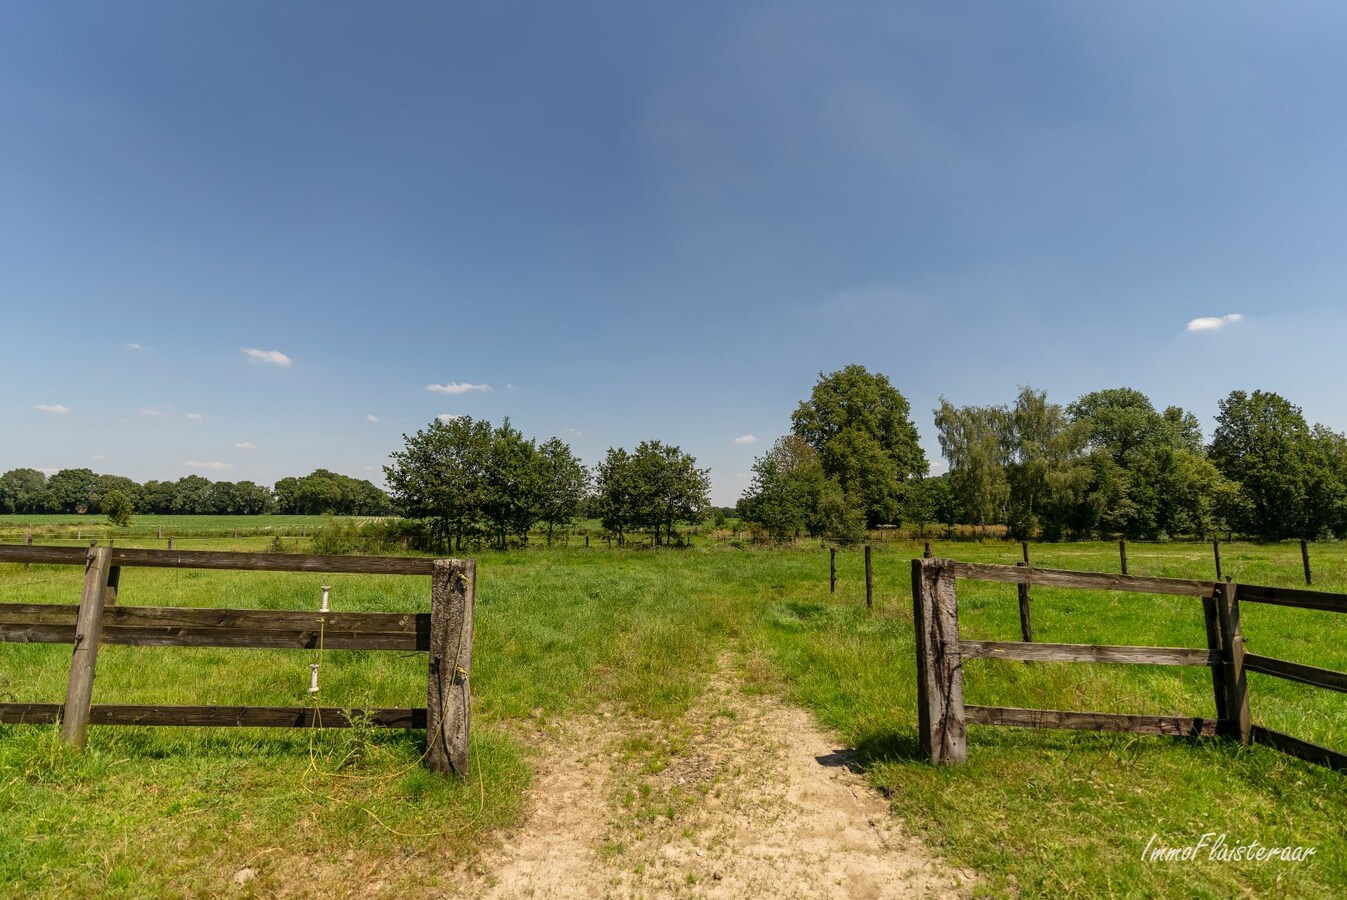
(745, 797)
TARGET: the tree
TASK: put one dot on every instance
(565, 484)
(23, 491)
(617, 493)
(117, 507)
(72, 490)
(656, 487)
(1262, 443)
(859, 424)
(788, 481)
(674, 490)
(440, 476)
(973, 440)
(512, 484)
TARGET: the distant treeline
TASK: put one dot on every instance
(85, 491)
(1107, 464)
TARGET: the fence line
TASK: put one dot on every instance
(445, 634)
(943, 716)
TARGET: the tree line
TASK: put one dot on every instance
(1107, 464)
(472, 481)
(85, 491)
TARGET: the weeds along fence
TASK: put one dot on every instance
(445, 634)
(943, 715)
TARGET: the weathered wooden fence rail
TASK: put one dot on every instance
(943, 716)
(445, 634)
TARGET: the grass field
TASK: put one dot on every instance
(559, 632)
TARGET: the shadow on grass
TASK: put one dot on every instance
(874, 749)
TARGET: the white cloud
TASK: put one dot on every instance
(195, 417)
(937, 467)
(245, 445)
(214, 465)
(509, 387)
(372, 468)
(134, 346)
(59, 408)
(97, 456)
(371, 418)
(1211, 323)
(575, 432)
(448, 417)
(48, 471)
(152, 413)
(457, 387)
(275, 357)
(745, 439)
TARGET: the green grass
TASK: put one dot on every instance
(560, 632)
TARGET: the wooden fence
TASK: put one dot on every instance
(943, 715)
(445, 633)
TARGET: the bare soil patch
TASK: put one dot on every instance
(745, 797)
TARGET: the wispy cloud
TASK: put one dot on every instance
(48, 471)
(458, 387)
(96, 457)
(245, 445)
(214, 465)
(371, 418)
(449, 417)
(195, 417)
(152, 413)
(575, 432)
(134, 346)
(58, 408)
(1212, 323)
(274, 357)
(745, 439)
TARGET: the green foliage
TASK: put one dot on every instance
(1262, 443)
(860, 427)
(470, 480)
(654, 488)
(117, 507)
(23, 491)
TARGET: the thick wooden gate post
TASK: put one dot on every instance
(935, 612)
(452, 595)
(88, 627)
(1238, 725)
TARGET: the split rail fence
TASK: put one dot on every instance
(445, 633)
(943, 715)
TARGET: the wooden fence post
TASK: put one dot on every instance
(935, 612)
(1235, 682)
(1024, 548)
(1026, 627)
(1216, 550)
(869, 589)
(832, 570)
(27, 542)
(1305, 558)
(926, 551)
(1212, 616)
(88, 627)
(1122, 555)
(452, 595)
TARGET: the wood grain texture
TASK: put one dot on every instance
(194, 627)
(939, 668)
(84, 659)
(1235, 681)
(1155, 656)
(1091, 580)
(1324, 678)
(1089, 721)
(1302, 749)
(1297, 597)
(219, 716)
(448, 710)
(213, 559)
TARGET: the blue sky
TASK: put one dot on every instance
(245, 239)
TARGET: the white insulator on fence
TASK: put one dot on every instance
(313, 678)
(326, 590)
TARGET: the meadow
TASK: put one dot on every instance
(564, 632)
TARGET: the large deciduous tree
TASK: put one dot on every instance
(654, 488)
(859, 424)
(1262, 442)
